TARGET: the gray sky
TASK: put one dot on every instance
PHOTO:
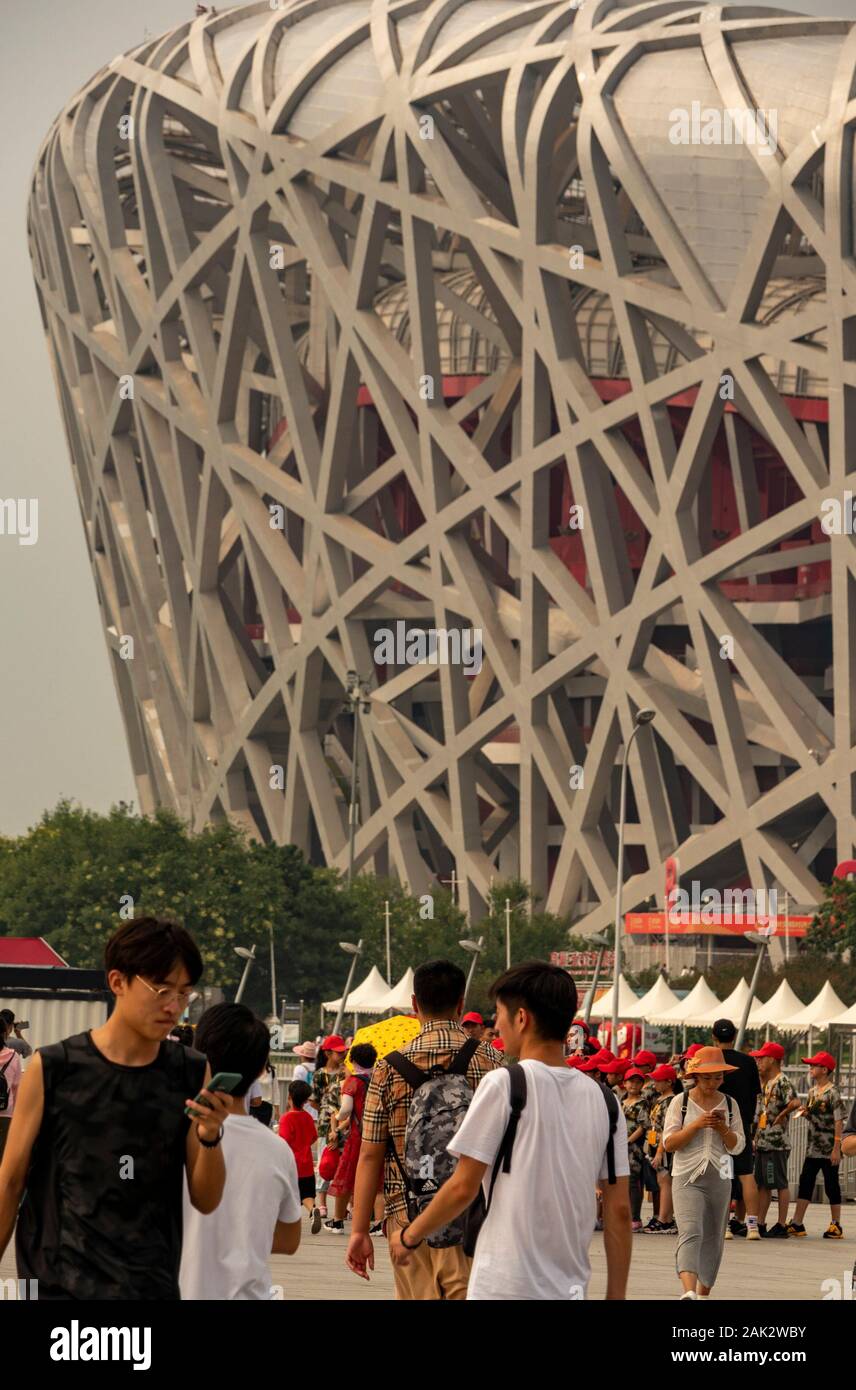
(61, 729)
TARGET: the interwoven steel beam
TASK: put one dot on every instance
(349, 306)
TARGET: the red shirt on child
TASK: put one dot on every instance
(299, 1132)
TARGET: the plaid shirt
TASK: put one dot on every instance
(389, 1095)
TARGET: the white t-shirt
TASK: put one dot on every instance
(254, 1093)
(535, 1241)
(225, 1254)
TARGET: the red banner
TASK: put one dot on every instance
(725, 924)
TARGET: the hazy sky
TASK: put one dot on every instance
(60, 728)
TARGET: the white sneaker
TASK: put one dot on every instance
(753, 1233)
(691, 1293)
(728, 1235)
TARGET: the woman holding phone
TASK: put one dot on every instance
(703, 1130)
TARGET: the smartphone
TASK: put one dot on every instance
(223, 1081)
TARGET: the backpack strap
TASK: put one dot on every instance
(413, 1075)
(460, 1063)
(612, 1110)
(684, 1103)
(517, 1078)
(8, 1062)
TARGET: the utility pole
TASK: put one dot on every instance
(357, 699)
(388, 956)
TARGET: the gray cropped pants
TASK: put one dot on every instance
(701, 1212)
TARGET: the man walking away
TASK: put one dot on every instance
(226, 1255)
(772, 1141)
(824, 1112)
(744, 1087)
(101, 1216)
(446, 1056)
(534, 1241)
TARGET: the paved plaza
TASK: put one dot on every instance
(772, 1271)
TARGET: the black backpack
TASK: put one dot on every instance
(4, 1084)
(476, 1214)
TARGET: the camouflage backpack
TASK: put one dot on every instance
(441, 1098)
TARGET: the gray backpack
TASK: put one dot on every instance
(441, 1098)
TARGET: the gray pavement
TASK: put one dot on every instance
(772, 1271)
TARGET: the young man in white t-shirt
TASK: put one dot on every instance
(226, 1254)
(534, 1243)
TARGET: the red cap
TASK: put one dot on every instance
(594, 1063)
(634, 1071)
(333, 1044)
(575, 1062)
(498, 1045)
(644, 1059)
(821, 1059)
(472, 1018)
(693, 1049)
(770, 1049)
(663, 1073)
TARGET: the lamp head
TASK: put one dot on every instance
(644, 716)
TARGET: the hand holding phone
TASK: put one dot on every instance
(223, 1081)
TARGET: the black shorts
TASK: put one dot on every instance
(744, 1161)
(771, 1169)
(831, 1183)
(306, 1188)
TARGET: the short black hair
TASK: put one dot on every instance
(724, 1030)
(299, 1093)
(364, 1055)
(151, 946)
(439, 987)
(233, 1039)
(545, 991)
(183, 1033)
(8, 1015)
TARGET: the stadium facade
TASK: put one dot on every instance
(462, 316)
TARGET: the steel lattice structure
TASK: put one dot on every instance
(321, 258)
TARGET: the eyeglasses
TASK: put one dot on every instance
(166, 995)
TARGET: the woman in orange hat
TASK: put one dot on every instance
(703, 1129)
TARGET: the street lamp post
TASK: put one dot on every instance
(643, 716)
(475, 949)
(272, 975)
(354, 952)
(357, 699)
(249, 957)
(762, 941)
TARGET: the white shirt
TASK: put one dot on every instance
(534, 1243)
(254, 1093)
(226, 1254)
(706, 1146)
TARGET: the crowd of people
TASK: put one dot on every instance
(141, 1160)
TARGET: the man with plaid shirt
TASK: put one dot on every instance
(438, 1001)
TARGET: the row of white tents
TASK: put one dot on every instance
(661, 1007)
(374, 995)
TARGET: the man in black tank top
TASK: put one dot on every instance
(99, 1141)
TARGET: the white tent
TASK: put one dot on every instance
(363, 999)
(732, 1008)
(658, 1000)
(700, 998)
(399, 996)
(822, 1010)
(779, 1006)
(627, 999)
(847, 1019)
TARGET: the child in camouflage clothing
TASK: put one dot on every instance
(772, 1142)
(664, 1085)
(638, 1120)
(824, 1112)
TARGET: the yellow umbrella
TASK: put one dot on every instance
(386, 1036)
